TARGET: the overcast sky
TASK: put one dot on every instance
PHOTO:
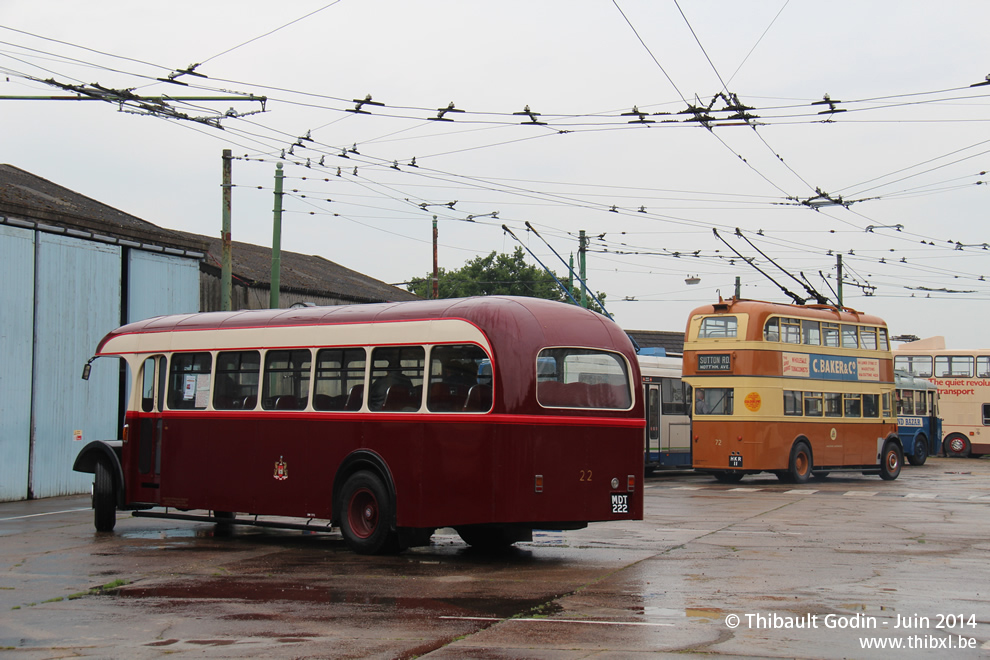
(907, 156)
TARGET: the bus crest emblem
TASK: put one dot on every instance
(281, 470)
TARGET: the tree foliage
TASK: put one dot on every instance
(497, 274)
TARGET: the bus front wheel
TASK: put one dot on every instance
(800, 466)
(890, 461)
(365, 514)
(920, 454)
(104, 498)
(956, 446)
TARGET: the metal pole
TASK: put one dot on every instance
(436, 269)
(277, 241)
(225, 269)
(583, 265)
(838, 266)
(570, 272)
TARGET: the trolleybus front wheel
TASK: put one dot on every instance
(890, 461)
(365, 513)
(104, 498)
(920, 454)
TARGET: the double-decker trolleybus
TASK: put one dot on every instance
(667, 444)
(378, 419)
(963, 380)
(918, 422)
(798, 390)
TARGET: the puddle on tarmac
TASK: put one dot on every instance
(175, 533)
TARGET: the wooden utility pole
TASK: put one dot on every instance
(225, 266)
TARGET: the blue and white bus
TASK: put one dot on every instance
(918, 423)
(667, 444)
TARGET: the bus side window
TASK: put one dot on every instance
(830, 334)
(885, 401)
(454, 371)
(983, 366)
(771, 331)
(812, 332)
(397, 378)
(850, 338)
(906, 406)
(920, 403)
(868, 337)
(793, 403)
(237, 380)
(833, 404)
(986, 414)
(339, 375)
(286, 380)
(813, 404)
(853, 405)
(870, 407)
(189, 381)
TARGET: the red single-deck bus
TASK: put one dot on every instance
(798, 390)
(495, 416)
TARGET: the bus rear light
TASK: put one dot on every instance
(125, 433)
(539, 483)
(739, 438)
(631, 483)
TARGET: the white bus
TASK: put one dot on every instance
(667, 443)
(963, 380)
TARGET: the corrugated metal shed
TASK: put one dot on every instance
(77, 301)
(16, 338)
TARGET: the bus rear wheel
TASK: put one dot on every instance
(920, 454)
(890, 461)
(956, 446)
(365, 513)
(800, 466)
(104, 498)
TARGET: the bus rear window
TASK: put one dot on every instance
(582, 378)
(717, 327)
(713, 401)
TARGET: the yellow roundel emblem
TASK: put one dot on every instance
(753, 401)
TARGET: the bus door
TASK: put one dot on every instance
(653, 437)
(145, 466)
(934, 424)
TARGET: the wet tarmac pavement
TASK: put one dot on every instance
(754, 569)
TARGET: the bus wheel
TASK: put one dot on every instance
(104, 498)
(728, 476)
(365, 515)
(920, 454)
(891, 461)
(799, 468)
(956, 446)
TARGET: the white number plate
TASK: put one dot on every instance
(620, 503)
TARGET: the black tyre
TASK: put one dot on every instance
(728, 476)
(801, 465)
(920, 454)
(891, 461)
(104, 498)
(365, 513)
(957, 445)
